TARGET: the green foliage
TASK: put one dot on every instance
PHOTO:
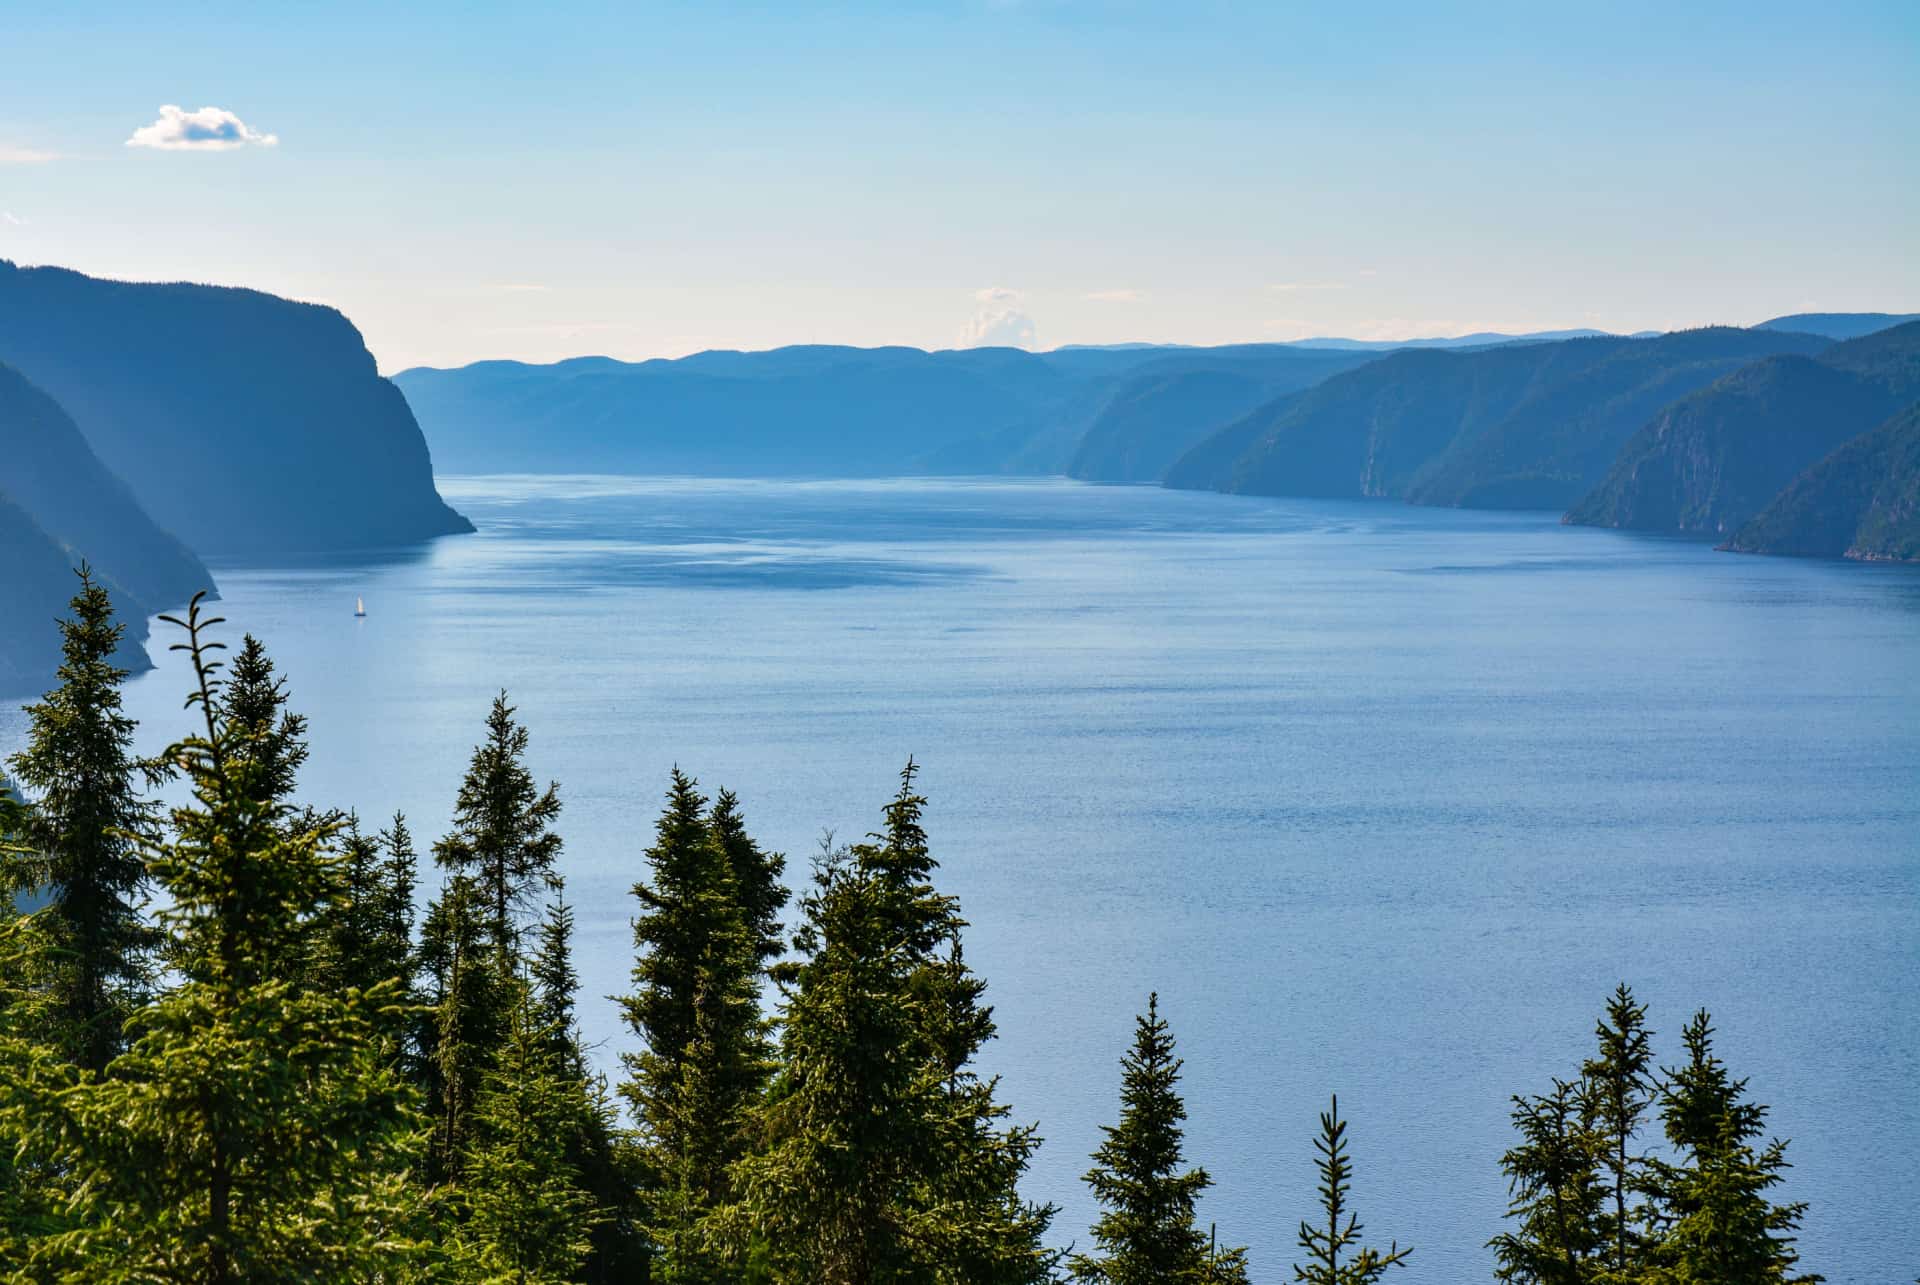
(502, 830)
(1617, 1090)
(695, 1006)
(525, 1216)
(82, 837)
(1556, 1193)
(1721, 1228)
(1149, 1231)
(885, 1158)
(1324, 1245)
(252, 1130)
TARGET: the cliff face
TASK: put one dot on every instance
(36, 580)
(1519, 426)
(243, 422)
(1713, 460)
(1861, 501)
(48, 471)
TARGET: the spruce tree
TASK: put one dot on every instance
(263, 731)
(471, 1001)
(756, 877)
(880, 1159)
(1619, 1089)
(1325, 1244)
(253, 1130)
(526, 1216)
(84, 833)
(1556, 1193)
(695, 1007)
(502, 831)
(1721, 1228)
(1149, 1232)
(552, 974)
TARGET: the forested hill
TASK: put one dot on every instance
(242, 421)
(822, 410)
(1711, 461)
(1862, 501)
(1516, 426)
(64, 506)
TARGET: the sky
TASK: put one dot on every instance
(472, 180)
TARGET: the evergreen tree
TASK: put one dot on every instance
(695, 1007)
(253, 1130)
(85, 831)
(262, 731)
(1149, 1233)
(1618, 1091)
(756, 877)
(502, 830)
(1721, 1228)
(471, 1001)
(1557, 1194)
(552, 973)
(879, 1163)
(525, 1214)
(1324, 1245)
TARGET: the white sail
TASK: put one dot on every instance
(359, 606)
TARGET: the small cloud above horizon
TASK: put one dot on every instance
(1001, 323)
(14, 154)
(1116, 296)
(211, 129)
(11, 219)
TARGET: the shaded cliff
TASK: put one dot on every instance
(1861, 501)
(50, 472)
(1518, 426)
(243, 422)
(1714, 459)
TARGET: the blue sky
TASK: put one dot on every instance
(475, 180)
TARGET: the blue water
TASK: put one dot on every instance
(1382, 800)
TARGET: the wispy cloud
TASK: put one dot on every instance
(11, 219)
(1000, 322)
(13, 154)
(1116, 296)
(1288, 286)
(211, 129)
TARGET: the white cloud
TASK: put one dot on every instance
(12, 154)
(11, 219)
(211, 129)
(1000, 324)
(1116, 296)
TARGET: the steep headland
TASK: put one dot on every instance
(1862, 501)
(242, 421)
(49, 471)
(1712, 460)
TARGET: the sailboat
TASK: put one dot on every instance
(359, 606)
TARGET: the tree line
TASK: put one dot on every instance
(233, 1049)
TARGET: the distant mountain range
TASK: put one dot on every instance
(143, 425)
(1514, 426)
(818, 410)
